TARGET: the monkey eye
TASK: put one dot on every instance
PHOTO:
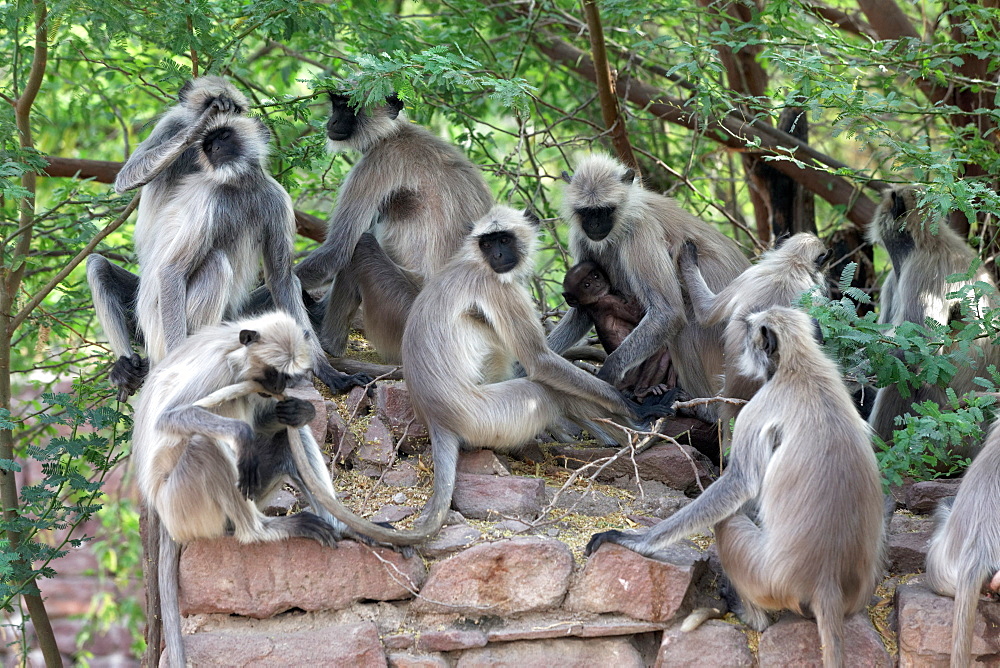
(587, 284)
(504, 240)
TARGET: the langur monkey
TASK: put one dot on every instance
(965, 551)
(417, 194)
(634, 235)
(209, 214)
(802, 454)
(469, 325)
(200, 458)
(586, 287)
(917, 288)
(777, 279)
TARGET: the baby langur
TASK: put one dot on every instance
(468, 326)
(634, 235)
(209, 214)
(964, 554)
(197, 466)
(802, 453)
(417, 194)
(586, 287)
(917, 288)
(779, 277)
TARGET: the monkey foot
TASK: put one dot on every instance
(598, 539)
(128, 373)
(339, 383)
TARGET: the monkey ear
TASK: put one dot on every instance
(823, 257)
(782, 238)
(182, 94)
(394, 104)
(566, 177)
(248, 336)
(629, 176)
(531, 216)
(769, 340)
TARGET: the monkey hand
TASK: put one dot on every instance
(689, 254)
(128, 374)
(294, 412)
(598, 539)
(339, 383)
(655, 406)
(223, 105)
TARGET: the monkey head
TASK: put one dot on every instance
(897, 220)
(273, 349)
(201, 93)
(584, 284)
(772, 335)
(505, 239)
(803, 249)
(596, 195)
(233, 145)
(359, 128)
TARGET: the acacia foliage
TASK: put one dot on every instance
(892, 92)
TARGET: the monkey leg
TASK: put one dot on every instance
(339, 306)
(387, 293)
(208, 292)
(115, 291)
(743, 551)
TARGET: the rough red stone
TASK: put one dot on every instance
(280, 503)
(908, 551)
(342, 439)
(450, 639)
(399, 641)
(408, 660)
(618, 580)
(450, 539)
(564, 652)
(714, 643)
(392, 403)
(794, 641)
(342, 645)
(925, 628)
(482, 462)
(500, 578)
(307, 392)
(378, 445)
(404, 474)
(603, 626)
(490, 497)
(923, 497)
(263, 579)
(358, 402)
(68, 595)
(392, 513)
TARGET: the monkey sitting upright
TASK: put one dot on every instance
(586, 287)
(803, 456)
(965, 551)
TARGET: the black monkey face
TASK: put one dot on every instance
(274, 381)
(343, 119)
(500, 250)
(597, 222)
(222, 145)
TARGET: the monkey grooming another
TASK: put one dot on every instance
(777, 279)
(802, 453)
(417, 194)
(468, 326)
(209, 214)
(916, 289)
(634, 235)
(964, 554)
(199, 467)
(586, 287)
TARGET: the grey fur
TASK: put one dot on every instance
(777, 279)
(638, 256)
(803, 456)
(419, 196)
(188, 459)
(204, 225)
(916, 289)
(965, 550)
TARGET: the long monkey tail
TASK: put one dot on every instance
(967, 586)
(170, 554)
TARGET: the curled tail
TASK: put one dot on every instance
(170, 553)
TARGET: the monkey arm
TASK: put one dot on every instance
(738, 485)
(356, 213)
(189, 419)
(707, 305)
(571, 328)
(159, 151)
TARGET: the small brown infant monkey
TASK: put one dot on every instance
(587, 288)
